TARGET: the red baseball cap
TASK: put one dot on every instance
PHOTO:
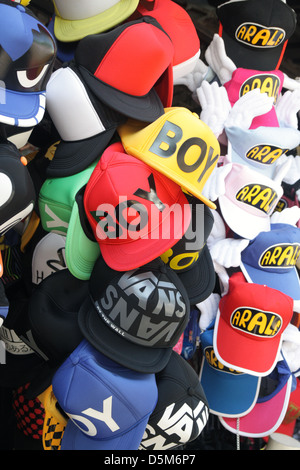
(127, 66)
(136, 213)
(249, 325)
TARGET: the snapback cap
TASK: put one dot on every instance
(256, 33)
(48, 257)
(271, 257)
(248, 201)
(178, 144)
(269, 410)
(249, 325)
(74, 19)
(108, 404)
(142, 53)
(137, 317)
(261, 148)
(229, 392)
(181, 412)
(28, 50)
(84, 124)
(135, 212)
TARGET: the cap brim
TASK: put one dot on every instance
(81, 252)
(146, 108)
(135, 253)
(199, 281)
(68, 30)
(238, 351)
(75, 439)
(22, 109)
(287, 282)
(72, 157)
(265, 417)
(253, 58)
(104, 339)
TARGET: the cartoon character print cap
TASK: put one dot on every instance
(249, 200)
(75, 19)
(123, 66)
(17, 196)
(135, 212)
(28, 51)
(178, 144)
(256, 33)
(249, 325)
(271, 257)
(181, 412)
(108, 405)
(135, 317)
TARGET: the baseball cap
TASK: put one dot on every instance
(256, 33)
(181, 412)
(55, 420)
(270, 408)
(18, 195)
(135, 317)
(229, 392)
(261, 148)
(178, 144)
(288, 424)
(22, 2)
(64, 50)
(48, 256)
(270, 258)
(178, 24)
(279, 441)
(190, 257)
(108, 404)
(248, 201)
(142, 53)
(85, 125)
(59, 214)
(249, 325)
(135, 212)
(74, 19)
(4, 303)
(29, 51)
(270, 82)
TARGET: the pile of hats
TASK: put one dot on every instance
(129, 243)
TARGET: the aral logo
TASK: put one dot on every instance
(256, 322)
(256, 35)
(283, 255)
(213, 362)
(265, 154)
(267, 83)
(259, 196)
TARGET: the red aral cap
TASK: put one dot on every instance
(135, 212)
(124, 66)
(249, 325)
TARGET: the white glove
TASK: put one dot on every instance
(291, 347)
(215, 106)
(289, 215)
(227, 252)
(218, 60)
(245, 109)
(208, 310)
(291, 83)
(193, 79)
(282, 167)
(218, 231)
(215, 184)
(287, 108)
(293, 173)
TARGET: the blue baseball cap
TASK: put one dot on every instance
(108, 404)
(229, 392)
(28, 51)
(260, 148)
(270, 259)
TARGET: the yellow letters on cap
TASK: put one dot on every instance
(178, 144)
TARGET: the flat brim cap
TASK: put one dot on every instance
(255, 32)
(75, 21)
(127, 342)
(142, 53)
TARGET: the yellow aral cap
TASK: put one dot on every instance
(178, 144)
(54, 421)
(22, 2)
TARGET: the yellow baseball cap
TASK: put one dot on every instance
(54, 421)
(76, 19)
(22, 2)
(178, 144)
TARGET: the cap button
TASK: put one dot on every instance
(103, 164)
(191, 391)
